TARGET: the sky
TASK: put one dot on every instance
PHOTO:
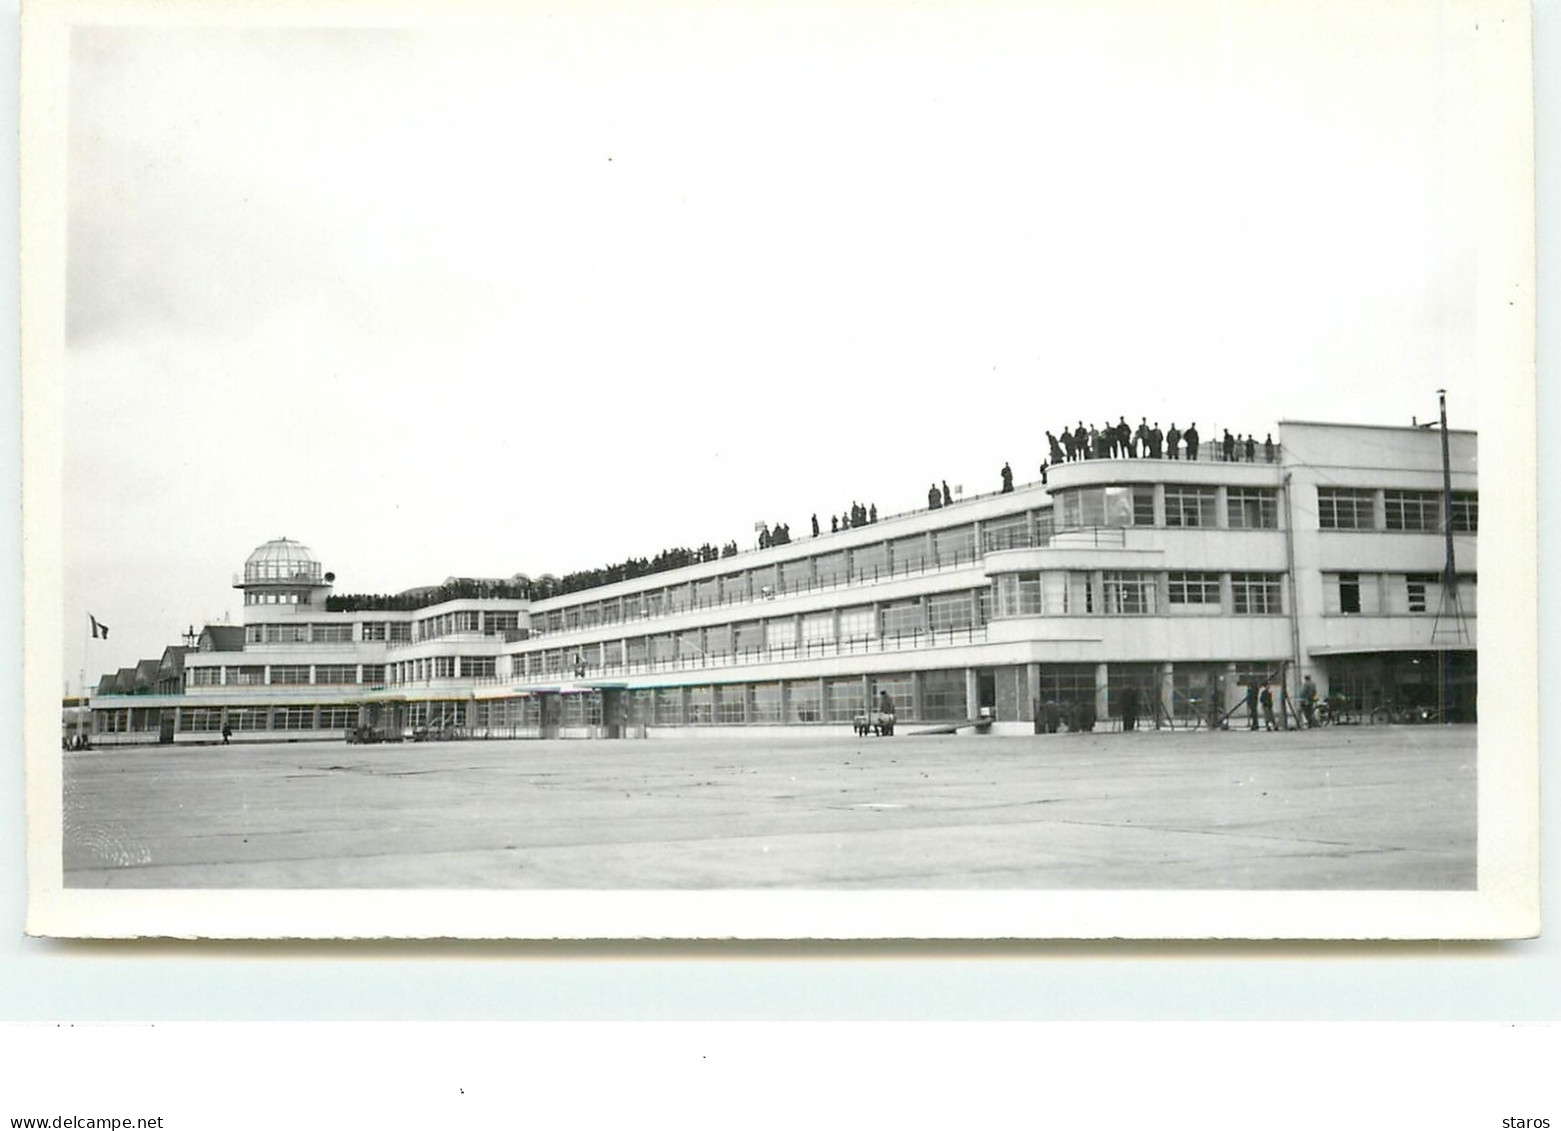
(598, 281)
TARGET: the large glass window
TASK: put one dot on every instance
(869, 563)
(955, 545)
(335, 673)
(1189, 588)
(292, 718)
(203, 677)
(374, 674)
(474, 667)
(1011, 533)
(1255, 594)
(858, 623)
(707, 592)
(701, 705)
(731, 704)
(444, 667)
(338, 718)
(805, 700)
(947, 611)
(796, 576)
(749, 637)
(1412, 510)
(400, 631)
(764, 703)
(899, 689)
(943, 694)
(843, 699)
(781, 633)
(248, 718)
(289, 673)
(1252, 508)
(903, 618)
(331, 633)
(246, 676)
(830, 569)
(375, 630)
(669, 706)
(718, 639)
(1346, 508)
(1191, 506)
(817, 627)
(200, 718)
(1128, 593)
(911, 555)
(1019, 595)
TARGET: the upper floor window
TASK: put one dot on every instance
(1346, 508)
(1128, 592)
(1186, 588)
(1251, 508)
(1191, 506)
(1412, 510)
(1255, 594)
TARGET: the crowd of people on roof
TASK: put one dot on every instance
(1122, 441)
(1113, 441)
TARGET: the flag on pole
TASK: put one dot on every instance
(99, 631)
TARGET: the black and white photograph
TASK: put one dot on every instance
(996, 470)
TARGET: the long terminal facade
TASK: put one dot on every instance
(1185, 579)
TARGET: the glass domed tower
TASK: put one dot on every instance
(284, 572)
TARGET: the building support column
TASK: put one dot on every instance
(972, 693)
(1102, 693)
(1167, 693)
(1032, 688)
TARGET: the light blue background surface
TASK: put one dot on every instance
(51, 981)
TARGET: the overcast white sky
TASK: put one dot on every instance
(606, 281)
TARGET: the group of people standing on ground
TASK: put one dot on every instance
(1122, 441)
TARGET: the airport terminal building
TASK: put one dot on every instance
(1345, 553)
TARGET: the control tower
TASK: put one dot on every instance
(284, 572)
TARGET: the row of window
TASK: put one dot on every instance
(897, 557)
(255, 675)
(1136, 593)
(1365, 508)
(1174, 505)
(940, 612)
(1378, 594)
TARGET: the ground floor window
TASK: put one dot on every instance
(844, 699)
(806, 699)
(764, 703)
(669, 706)
(730, 704)
(900, 691)
(701, 705)
(943, 695)
(247, 718)
(200, 718)
(292, 718)
(338, 718)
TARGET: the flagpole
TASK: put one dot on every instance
(81, 719)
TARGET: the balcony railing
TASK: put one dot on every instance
(809, 650)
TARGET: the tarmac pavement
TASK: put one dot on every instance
(1342, 808)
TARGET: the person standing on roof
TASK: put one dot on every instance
(1008, 478)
